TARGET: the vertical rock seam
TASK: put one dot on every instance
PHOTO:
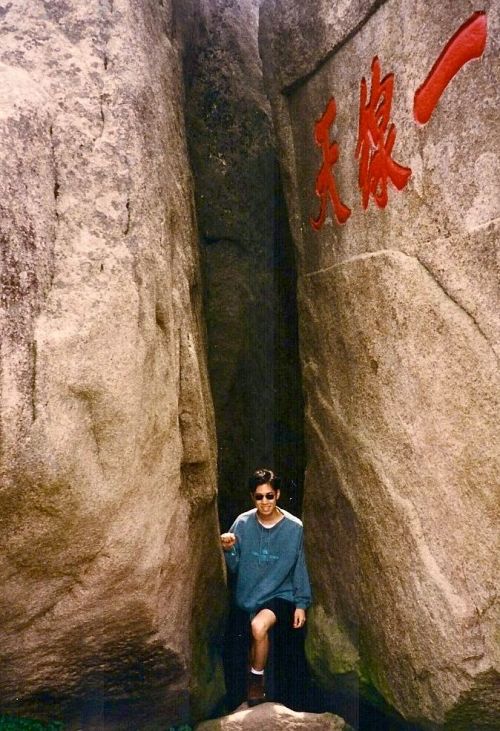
(248, 265)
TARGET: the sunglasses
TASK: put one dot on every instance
(268, 496)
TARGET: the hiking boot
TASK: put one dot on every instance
(256, 693)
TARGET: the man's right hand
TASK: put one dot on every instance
(227, 540)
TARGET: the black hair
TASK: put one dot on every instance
(263, 477)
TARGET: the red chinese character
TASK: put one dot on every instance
(325, 182)
(375, 142)
(468, 42)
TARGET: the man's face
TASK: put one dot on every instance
(267, 503)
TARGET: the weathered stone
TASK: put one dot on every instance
(228, 120)
(107, 501)
(399, 338)
(299, 37)
(273, 717)
(252, 350)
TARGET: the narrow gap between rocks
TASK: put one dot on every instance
(281, 418)
(250, 305)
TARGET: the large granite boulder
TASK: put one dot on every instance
(107, 501)
(248, 268)
(399, 337)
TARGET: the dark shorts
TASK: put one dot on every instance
(282, 609)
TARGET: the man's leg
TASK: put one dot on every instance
(261, 624)
(290, 674)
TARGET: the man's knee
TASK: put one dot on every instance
(259, 629)
(262, 623)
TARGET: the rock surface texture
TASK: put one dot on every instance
(274, 717)
(399, 349)
(248, 268)
(107, 500)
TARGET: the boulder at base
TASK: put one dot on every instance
(273, 717)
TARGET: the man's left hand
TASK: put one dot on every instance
(299, 618)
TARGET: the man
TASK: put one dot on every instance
(264, 547)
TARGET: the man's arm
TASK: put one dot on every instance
(299, 618)
(229, 542)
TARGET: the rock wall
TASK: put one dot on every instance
(399, 339)
(107, 499)
(248, 267)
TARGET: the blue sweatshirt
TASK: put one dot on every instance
(269, 562)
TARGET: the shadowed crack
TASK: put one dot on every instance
(56, 178)
(288, 89)
(127, 225)
(33, 379)
(101, 108)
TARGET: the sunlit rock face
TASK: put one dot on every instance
(248, 268)
(398, 344)
(107, 505)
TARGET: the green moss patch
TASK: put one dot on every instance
(13, 723)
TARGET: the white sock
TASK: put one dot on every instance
(257, 672)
